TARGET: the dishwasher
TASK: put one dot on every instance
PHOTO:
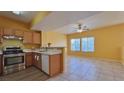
(45, 63)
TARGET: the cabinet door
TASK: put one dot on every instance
(0, 64)
(37, 60)
(36, 38)
(33, 56)
(1, 33)
(8, 31)
(55, 64)
(28, 59)
(45, 63)
(27, 37)
(18, 33)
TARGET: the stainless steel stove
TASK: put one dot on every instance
(13, 59)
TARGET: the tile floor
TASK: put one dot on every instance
(89, 69)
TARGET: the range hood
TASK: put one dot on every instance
(12, 37)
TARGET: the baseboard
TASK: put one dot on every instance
(105, 59)
(122, 62)
(110, 60)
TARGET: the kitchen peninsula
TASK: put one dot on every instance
(49, 60)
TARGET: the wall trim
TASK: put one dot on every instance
(104, 59)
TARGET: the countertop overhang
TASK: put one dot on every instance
(50, 52)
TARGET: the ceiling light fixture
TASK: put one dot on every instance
(81, 29)
(16, 12)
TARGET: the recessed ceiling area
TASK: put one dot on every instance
(26, 16)
(59, 19)
(66, 22)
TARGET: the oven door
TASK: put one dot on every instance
(13, 59)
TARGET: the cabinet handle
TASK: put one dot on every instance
(37, 58)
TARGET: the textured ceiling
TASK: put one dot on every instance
(59, 19)
(66, 22)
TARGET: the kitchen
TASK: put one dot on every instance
(21, 49)
(68, 43)
(43, 45)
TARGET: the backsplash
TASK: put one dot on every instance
(12, 43)
(17, 43)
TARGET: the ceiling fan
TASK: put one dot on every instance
(17, 12)
(82, 28)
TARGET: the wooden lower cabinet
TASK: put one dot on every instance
(51, 64)
(28, 59)
(0, 64)
(54, 61)
(33, 59)
(37, 60)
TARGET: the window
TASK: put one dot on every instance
(75, 44)
(88, 44)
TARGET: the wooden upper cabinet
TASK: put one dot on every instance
(36, 37)
(18, 33)
(28, 37)
(8, 31)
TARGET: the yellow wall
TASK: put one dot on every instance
(108, 42)
(7, 22)
(57, 39)
(39, 17)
